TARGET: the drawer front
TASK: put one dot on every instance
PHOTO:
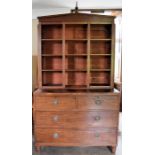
(55, 103)
(98, 102)
(76, 119)
(59, 137)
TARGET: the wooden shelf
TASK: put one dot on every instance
(76, 70)
(79, 55)
(76, 39)
(100, 39)
(52, 55)
(100, 87)
(100, 70)
(51, 70)
(51, 39)
(76, 86)
(73, 53)
(100, 54)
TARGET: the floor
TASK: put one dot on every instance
(74, 151)
(82, 150)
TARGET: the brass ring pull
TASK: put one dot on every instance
(97, 135)
(55, 135)
(55, 101)
(98, 102)
(97, 118)
(55, 118)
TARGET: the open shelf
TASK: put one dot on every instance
(99, 78)
(78, 47)
(76, 57)
(76, 31)
(52, 79)
(52, 31)
(54, 48)
(76, 63)
(100, 47)
(100, 31)
(100, 62)
(76, 79)
(51, 63)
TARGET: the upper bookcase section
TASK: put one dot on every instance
(76, 17)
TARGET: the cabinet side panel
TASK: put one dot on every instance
(39, 57)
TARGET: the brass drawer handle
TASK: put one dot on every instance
(55, 101)
(55, 118)
(98, 102)
(55, 135)
(97, 118)
(97, 135)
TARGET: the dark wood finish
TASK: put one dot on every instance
(60, 137)
(118, 85)
(76, 42)
(77, 119)
(55, 103)
(74, 18)
(98, 102)
(76, 104)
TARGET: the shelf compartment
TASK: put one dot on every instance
(78, 47)
(99, 78)
(52, 31)
(100, 47)
(100, 62)
(76, 63)
(76, 78)
(52, 47)
(76, 31)
(54, 79)
(51, 63)
(100, 31)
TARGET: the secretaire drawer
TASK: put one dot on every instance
(58, 137)
(77, 119)
(54, 103)
(85, 102)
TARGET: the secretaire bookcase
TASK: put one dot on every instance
(76, 104)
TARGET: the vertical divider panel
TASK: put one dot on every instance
(88, 55)
(63, 55)
(39, 57)
(112, 55)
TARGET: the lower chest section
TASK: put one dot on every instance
(76, 119)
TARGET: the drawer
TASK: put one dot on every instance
(98, 102)
(60, 137)
(77, 119)
(55, 103)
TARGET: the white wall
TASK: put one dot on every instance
(43, 12)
